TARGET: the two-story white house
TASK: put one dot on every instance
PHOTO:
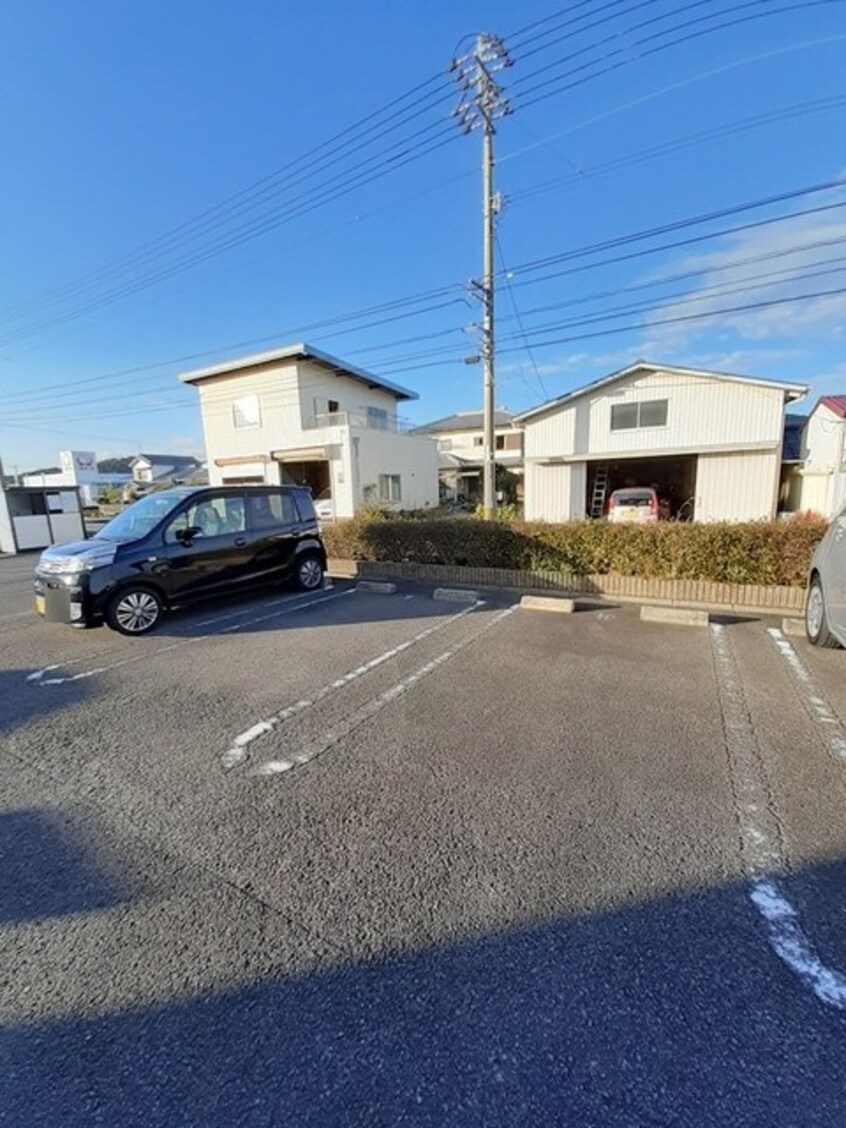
(460, 440)
(300, 416)
(710, 443)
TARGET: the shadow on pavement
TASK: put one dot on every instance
(261, 612)
(22, 701)
(674, 1012)
(48, 870)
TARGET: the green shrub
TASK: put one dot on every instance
(759, 552)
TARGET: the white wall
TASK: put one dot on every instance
(701, 412)
(352, 396)
(278, 392)
(740, 486)
(823, 474)
(7, 537)
(385, 452)
(555, 492)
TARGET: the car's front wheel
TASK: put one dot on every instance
(816, 621)
(309, 572)
(135, 611)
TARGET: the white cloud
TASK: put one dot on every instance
(802, 256)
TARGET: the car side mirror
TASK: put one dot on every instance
(185, 536)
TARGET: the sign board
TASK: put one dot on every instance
(81, 464)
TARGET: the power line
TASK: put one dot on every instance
(189, 228)
(691, 37)
(529, 353)
(49, 390)
(619, 34)
(687, 141)
(688, 242)
(246, 234)
(403, 303)
(746, 307)
(679, 224)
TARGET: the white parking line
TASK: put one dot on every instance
(238, 751)
(38, 678)
(819, 710)
(760, 835)
(376, 705)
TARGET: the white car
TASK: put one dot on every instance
(324, 507)
(825, 603)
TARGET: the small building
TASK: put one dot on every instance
(822, 469)
(77, 469)
(33, 517)
(298, 415)
(709, 442)
(460, 440)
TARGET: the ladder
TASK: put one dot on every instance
(600, 489)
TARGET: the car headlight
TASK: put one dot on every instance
(74, 565)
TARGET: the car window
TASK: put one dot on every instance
(306, 506)
(622, 497)
(213, 516)
(266, 511)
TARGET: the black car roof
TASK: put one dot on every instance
(189, 491)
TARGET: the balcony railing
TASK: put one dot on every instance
(363, 419)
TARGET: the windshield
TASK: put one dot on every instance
(141, 517)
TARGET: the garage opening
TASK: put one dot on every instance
(673, 478)
(308, 472)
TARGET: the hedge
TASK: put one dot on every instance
(760, 552)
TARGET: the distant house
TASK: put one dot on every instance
(166, 469)
(822, 468)
(301, 416)
(460, 440)
(709, 442)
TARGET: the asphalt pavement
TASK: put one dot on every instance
(358, 859)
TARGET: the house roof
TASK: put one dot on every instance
(173, 460)
(301, 351)
(465, 421)
(837, 404)
(791, 391)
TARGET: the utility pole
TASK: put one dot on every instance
(482, 102)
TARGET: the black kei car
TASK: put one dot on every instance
(178, 546)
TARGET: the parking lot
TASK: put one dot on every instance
(353, 858)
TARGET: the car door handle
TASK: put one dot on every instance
(240, 542)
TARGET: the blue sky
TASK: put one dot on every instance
(125, 123)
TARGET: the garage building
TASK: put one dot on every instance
(710, 444)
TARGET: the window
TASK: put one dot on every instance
(390, 487)
(623, 416)
(500, 442)
(333, 407)
(268, 510)
(213, 516)
(478, 440)
(246, 411)
(377, 418)
(305, 506)
(648, 413)
(653, 413)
